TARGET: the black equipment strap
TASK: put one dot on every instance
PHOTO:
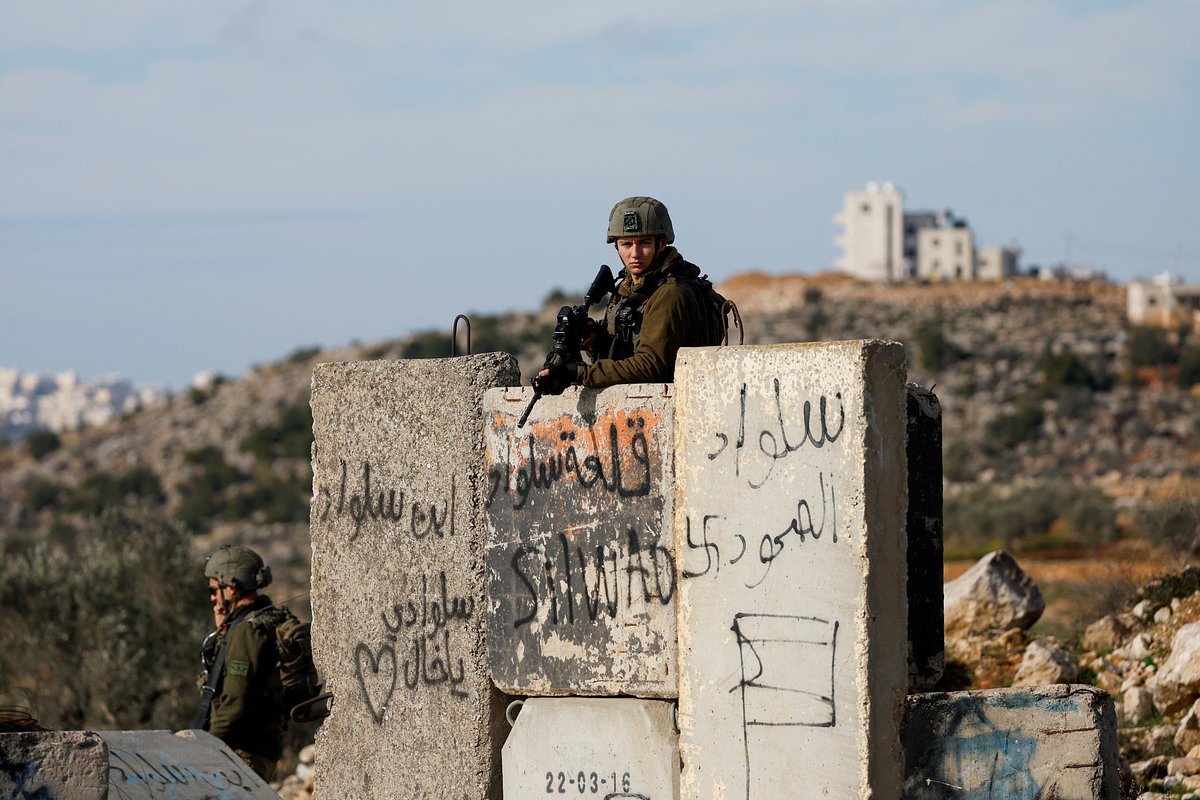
(200, 718)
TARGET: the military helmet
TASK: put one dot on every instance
(639, 216)
(235, 565)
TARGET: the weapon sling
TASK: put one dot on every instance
(200, 718)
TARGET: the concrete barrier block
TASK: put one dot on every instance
(926, 627)
(1019, 744)
(580, 561)
(397, 588)
(611, 748)
(790, 517)
(63, 766)
(189, 765)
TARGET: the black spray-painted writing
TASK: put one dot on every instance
(707, 537)
(429, 659)
(774, 441)
(626, 473)
(128, 770)
(390, 505)
(572, 580)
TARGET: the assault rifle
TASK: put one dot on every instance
(569, 331)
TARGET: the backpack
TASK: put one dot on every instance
(293, 648)
(716, 310)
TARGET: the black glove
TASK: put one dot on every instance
(559, 377)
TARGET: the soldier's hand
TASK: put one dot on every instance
(555, 379)
(588, 339)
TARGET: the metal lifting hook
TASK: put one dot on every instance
(454, 335)
(726, 307)
(301, 712)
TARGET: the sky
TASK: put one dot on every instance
(209, 185)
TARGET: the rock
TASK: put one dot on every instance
(1137, 704)
(994, 594)
(1138, 647)
(1177, 682)
(1162, 615)
(1151, 768)
(1159, 740)
(1106, 633)
(1187, 735)
(1045, 662)
(1183, 766)
(308, 754)
(1109, 682)
(1144, 610)
(1194, 752)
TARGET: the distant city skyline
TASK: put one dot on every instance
(202, 187)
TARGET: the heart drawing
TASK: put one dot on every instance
(377, 678)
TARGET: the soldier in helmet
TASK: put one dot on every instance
(653, 312)
(242, 701)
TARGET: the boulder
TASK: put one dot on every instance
(1188, 734)
(1137, 705)
(1177, 683)
(994, 594)
(1106, 633)
(1045, 662)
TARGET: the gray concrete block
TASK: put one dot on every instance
(611, 747)
(189, 765)
(397, 589)
(61, 766)
(790, 513)
(926, 625)
(1019, 744)
(581, 557)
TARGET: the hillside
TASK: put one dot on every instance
(1057, 431)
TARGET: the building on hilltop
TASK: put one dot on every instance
(1164, 301)
(29, 401)
(882, 242)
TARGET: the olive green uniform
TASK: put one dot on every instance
(247, 709)
(671, 317)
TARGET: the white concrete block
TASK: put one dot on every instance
(580, 557)
(601, 748)
(790, 513)
(189, 765)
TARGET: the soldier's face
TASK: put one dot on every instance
(637, 253)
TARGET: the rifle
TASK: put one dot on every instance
(569, 329)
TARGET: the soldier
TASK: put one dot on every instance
(242, 701)
(654, 311)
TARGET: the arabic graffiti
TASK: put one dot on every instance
(134, 772)
(571, 580)
(708, 536)
(391, 506)
(774, 441)
(426, 659)
(623, 470)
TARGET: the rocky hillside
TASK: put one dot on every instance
(1062, 426)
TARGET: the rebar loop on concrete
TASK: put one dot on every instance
(302, 712)
(454, 335)
(511, 712)
(726, 307)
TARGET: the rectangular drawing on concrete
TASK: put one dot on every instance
(789, 513)
(580, 557)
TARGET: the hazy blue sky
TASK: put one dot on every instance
(205, 185)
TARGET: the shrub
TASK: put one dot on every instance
(99, 491)
(987, 516)
(1009, 430)
(40, 444)
(1189, 366)
(936, 351)
(289, 437)
(1065, 370)
(1173, 523)
(1150, 347)
(105, 637)
(269, 499)
(41, 493)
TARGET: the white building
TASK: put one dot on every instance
(882, 242)
(1164, 301)
(873, 238)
